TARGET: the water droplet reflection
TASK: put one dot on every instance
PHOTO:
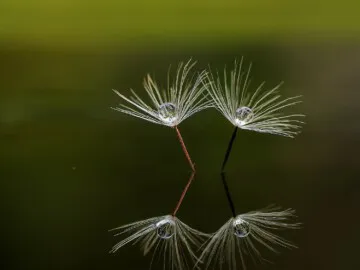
(241, 227)
(165, 228)
(243, 115)
(167, 112)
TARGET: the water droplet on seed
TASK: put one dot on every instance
(167, 112)
(165, 228)
(241, 227)
(243, 115)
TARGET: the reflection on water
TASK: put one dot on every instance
(55, 116)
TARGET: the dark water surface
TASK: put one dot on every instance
(71, 168)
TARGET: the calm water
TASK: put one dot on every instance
(71, 168)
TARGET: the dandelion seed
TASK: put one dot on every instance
(183, 97)
(259, 111)
(168, 237)
(245, 234)
(241, 235)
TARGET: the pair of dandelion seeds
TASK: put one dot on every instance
(244, 235)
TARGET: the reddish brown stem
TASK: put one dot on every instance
(183, 193)
(184, 148)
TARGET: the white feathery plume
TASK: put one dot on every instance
(183, 97)
(168, 237)
(260, 110)
(240, 236)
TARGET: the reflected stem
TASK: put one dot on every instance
(183, 194)
(228, 194)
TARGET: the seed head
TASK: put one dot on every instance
(260, 110)
(183, 97)
(240, 236)
(168, 237)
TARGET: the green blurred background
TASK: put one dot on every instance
(71, 168)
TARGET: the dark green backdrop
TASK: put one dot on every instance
(71, 168)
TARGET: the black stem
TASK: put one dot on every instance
(228, 151)
(228, 195)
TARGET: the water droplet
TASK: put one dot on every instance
(167, 112)
(165, 228)
(243, 115)
(241, 227)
